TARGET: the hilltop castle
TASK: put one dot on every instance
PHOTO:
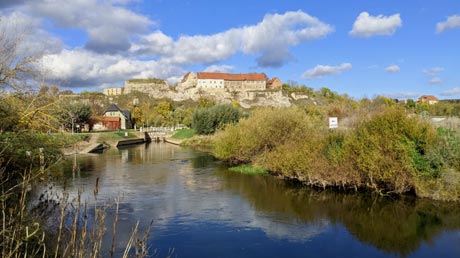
(204, 81)
(248, 88)
(229, 82)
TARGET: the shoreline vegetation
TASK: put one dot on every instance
(389, 151)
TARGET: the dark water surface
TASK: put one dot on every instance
(200, 209)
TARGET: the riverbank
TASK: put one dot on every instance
(99, 141)
(387, 152)
(203, 197)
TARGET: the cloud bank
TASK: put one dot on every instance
(118, 43)
(270, 40)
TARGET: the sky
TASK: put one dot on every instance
(363, 48)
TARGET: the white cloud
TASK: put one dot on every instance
(452, 22)
(432, 74)
(435, 80)
(270, 39)
(120, 47)
(109, 26)
(393, 69)
(32, 40)
(219, 68)
(433, 71)
(325, 70)
(83, 68)
(451, 92)
(367, 25)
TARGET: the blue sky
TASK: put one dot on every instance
(400, 49)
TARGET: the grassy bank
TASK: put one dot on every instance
(388, 151)
(114, 136)
(184, 134)
(248, 169)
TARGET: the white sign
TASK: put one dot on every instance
(333, 122)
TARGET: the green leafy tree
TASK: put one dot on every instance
(162, 113)
(205, 102)
(208, 120)
(138, 116)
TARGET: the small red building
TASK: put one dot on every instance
(111, 123)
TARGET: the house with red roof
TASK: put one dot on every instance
(113, 119)
(274, 84)
(430, 99)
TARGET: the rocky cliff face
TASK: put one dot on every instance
(246, 99)
(145, 87)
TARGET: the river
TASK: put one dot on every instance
(200, 209)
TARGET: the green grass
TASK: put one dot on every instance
(248, 169)
(184, 134)
(112, 137)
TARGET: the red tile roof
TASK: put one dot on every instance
(273, 80)
(232, 77)
(428, 98)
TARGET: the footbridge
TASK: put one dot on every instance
(157, 134)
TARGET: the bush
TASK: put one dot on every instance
(252, 138)
(389, 149)
(208, 120)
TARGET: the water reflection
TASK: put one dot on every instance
(395, 226)
(190, 194)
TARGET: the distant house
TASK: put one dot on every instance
(430, 99)
(114, 118)
(274, 84)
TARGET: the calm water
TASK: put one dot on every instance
(200, 209)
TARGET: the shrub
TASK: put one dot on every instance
(259, 134)
(389, 149)
(208, 120)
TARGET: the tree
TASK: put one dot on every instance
(16, 68)
(410, 104)
(208, 120)
(75, 114)
(162, 113)
(205, 102)
(137, 115)
(18, 71)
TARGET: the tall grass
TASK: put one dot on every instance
(80, 228)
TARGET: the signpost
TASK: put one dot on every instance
(333, 122)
